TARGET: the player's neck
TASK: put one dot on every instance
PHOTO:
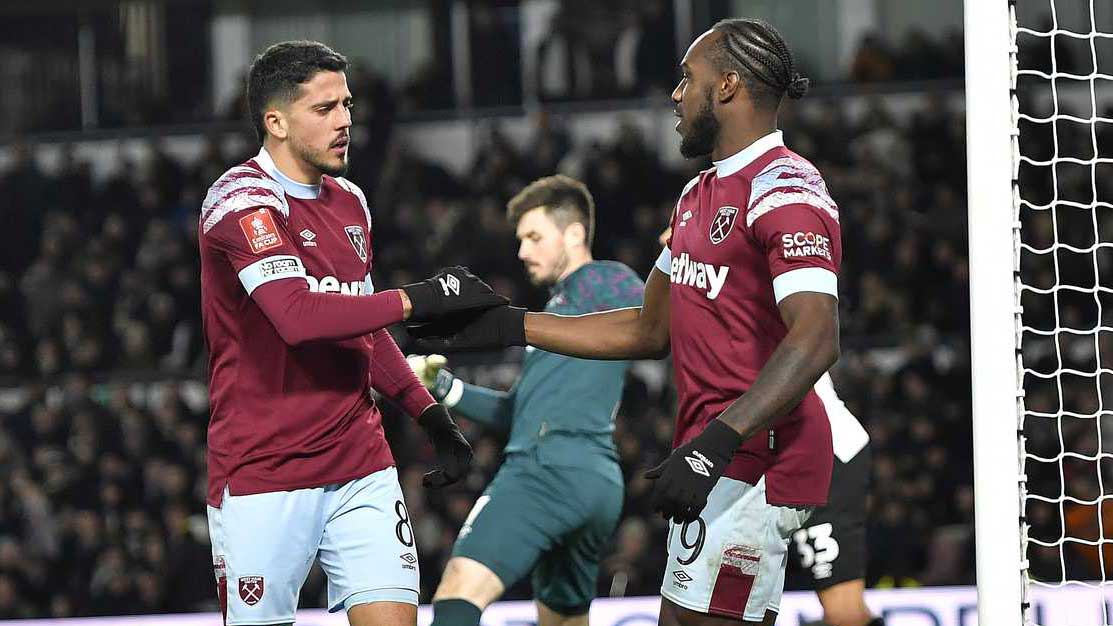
(291, 166)
(574, 264)
(733, 140)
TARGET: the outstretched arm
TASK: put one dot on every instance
(633, 333)
(490, 407)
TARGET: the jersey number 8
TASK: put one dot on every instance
(403, 529)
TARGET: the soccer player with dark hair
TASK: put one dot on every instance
(745, 295)
(556, 500)
(299, 468)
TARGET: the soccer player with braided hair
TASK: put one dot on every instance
(745, 295)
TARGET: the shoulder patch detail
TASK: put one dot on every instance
(787, 181)
(239, 189)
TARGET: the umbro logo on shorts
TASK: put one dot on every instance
(699, 463)
(251, 589)
(409, 559)
(682, 576)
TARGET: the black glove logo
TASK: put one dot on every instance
(450, 285)
(452, 290)
(699, 463)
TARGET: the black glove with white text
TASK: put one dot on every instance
(452, 290)
(683, 481)
(453, 451)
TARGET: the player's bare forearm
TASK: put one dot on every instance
(607, 335)
(633, 333)
(809, 349)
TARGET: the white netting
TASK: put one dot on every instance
(1062, 201)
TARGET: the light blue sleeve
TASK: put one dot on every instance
(664, 261)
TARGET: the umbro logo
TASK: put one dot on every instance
(450, 285)
(682, 576)
(408, 557)
(308, 237)
(699, 463)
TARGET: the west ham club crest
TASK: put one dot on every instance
(359, 242)
(251, 589)
(723, 224)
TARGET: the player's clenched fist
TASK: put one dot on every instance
(452, 450)
(452, 290)
(496, 327)
(685, 479)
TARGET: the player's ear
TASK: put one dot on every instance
(729, 85)
(575, 235)
(275, 123)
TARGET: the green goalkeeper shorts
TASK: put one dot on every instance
(555, 521)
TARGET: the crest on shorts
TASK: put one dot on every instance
(251, 589)
(359, 242)
(723, 223)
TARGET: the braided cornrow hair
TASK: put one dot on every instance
(759, 54)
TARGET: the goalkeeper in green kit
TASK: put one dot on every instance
(555, 502)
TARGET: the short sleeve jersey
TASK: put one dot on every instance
(755, 229)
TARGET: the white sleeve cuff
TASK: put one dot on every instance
(664, 261)
(815, 279)
(455, 392)
(271, 268)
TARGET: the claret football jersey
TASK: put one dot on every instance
(756, 228)
(284, 417)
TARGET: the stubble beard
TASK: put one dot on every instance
(552, 277)
(320, 160)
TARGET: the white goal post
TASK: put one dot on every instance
(1038, 106)
(994, 310)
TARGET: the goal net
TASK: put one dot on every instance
(1052, 514)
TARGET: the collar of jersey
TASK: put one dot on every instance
(749, 154)
(561, 284)
(291, 186)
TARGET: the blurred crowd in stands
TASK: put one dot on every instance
(626, 49)
(103, 421)
(582, 50)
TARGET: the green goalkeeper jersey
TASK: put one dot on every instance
(562, 407)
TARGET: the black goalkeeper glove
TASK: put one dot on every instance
(494, 328)
(452, 450)
(684, 480)
(452, 290)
